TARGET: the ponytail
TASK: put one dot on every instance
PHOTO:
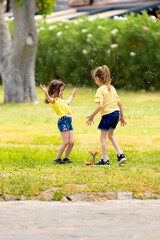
(103, 74)
(107, 77)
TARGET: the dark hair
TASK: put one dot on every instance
(54, 89)
(103, 74)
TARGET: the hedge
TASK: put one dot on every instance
(129, 46)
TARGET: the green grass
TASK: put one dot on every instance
(29, 140)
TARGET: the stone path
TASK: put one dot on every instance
(109, 220)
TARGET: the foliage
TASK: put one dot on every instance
(20, 2)
(44, 6)
(58, 195)
(129, 45)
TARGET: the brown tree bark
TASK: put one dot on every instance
(18, 62)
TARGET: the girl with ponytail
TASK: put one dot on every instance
(111, 112)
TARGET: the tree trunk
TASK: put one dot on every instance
(19, 81)
(5, 45)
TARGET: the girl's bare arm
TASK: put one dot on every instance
(123, 122)
(70, 99)
(43, 87)
(90, 118)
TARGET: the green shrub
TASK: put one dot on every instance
(129, 45)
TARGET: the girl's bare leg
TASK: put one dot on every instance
(103, 142)
(65, 140)
(70, 144)
(113, 140)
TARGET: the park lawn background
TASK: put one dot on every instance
(29, 140)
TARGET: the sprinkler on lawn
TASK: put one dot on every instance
(93, 153)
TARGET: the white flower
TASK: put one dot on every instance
(42, 28)
(100, 27)
(119, 18)
(84, 51)
(90, 19)
(152, 17)
(66, 26)
(76, 22)
(89, 35)
(114, 45)
(145, 131)
(114, 31)
(115, 17)
(132, 54)
(52, 27)
(65, 20)
(108, 51)
(59, 34)
(84, 30)
(152, 109)
(36, 102)
(29, 126)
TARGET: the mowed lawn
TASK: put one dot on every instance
(29, 140)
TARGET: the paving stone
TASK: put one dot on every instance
(111, 195)
(96, 197)
(64, 199)
(76, 197)
(10, 198)
(92, 196)
(149, 195)
(46, 195)
(2, 199)
(22, 198)
(124, 195)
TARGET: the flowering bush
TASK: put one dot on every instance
(45, 6)
(129, 45)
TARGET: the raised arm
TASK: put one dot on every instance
(43, 87)
(70, 99)
(121, 119)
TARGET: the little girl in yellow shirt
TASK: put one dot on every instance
(111, 112)
(61, 107)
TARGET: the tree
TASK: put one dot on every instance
(17, 56)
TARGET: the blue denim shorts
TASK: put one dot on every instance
(109, 121)
(65, 124)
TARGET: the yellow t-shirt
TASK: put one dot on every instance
(109, 100)
(61, 107)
